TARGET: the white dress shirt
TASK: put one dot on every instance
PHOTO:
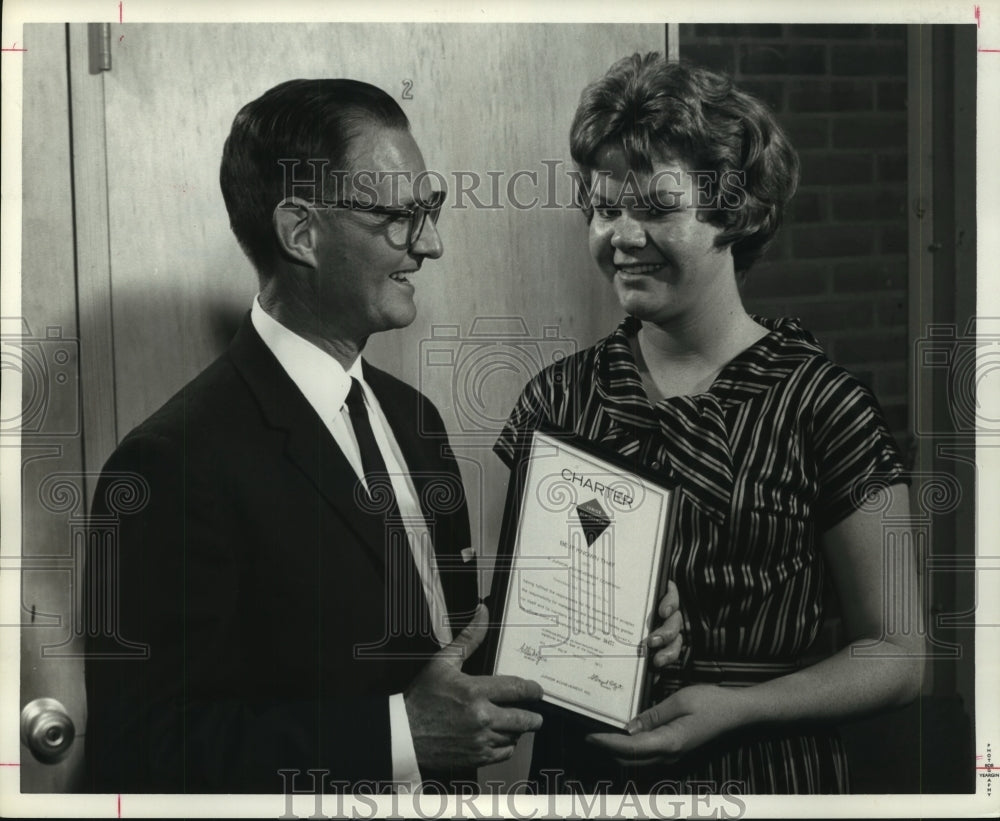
(325, 384)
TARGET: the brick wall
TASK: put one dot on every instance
(839, 262)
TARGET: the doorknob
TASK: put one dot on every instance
(47, 730)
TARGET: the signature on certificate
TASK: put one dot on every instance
(606, 683)
(531, 653)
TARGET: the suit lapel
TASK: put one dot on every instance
(308, 444)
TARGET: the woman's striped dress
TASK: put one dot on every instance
(783, 446)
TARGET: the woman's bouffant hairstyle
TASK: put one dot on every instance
(300, 128)
(657, 110)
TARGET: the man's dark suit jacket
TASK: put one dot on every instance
(254, 577)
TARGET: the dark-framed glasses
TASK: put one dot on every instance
(408, 221)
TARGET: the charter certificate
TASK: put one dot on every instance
(578, 575)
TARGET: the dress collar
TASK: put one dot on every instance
(757, 368)
(695, 440)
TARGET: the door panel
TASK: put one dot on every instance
(485, 98)
(44, 347)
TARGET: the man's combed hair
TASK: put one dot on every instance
(309, 121)
(656, 110)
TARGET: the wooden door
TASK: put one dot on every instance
(482, 99)
(161, 283)
(43, 443)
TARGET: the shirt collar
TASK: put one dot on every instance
(321, 378)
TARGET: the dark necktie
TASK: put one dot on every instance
(406, 606)
(376, 473)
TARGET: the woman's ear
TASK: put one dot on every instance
(293, 223)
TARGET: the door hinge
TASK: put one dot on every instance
(99, 36)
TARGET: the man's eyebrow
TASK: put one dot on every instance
(389, 200)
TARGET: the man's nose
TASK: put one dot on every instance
(428, 244)
(628, 232)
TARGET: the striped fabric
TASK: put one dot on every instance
(764, 461)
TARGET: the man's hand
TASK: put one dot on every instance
(455, 719)
(666, 640)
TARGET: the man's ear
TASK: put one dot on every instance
(293, 222)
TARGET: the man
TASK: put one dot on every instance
(306, 604)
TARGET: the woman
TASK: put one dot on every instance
(771, 446)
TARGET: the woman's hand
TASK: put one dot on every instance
(679, 724)
(666, 640)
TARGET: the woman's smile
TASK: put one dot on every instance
(635, 269)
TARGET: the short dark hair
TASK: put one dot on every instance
(304, 120)
(655, 109)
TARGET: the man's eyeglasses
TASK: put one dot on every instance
(411, 218)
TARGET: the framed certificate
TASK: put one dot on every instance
(577, 578)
